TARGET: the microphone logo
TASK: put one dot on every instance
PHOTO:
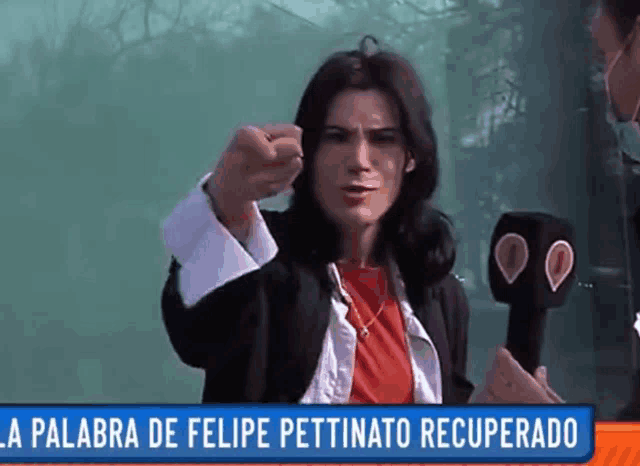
(511, 254)
(558, 264)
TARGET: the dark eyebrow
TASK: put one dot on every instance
(377, 130)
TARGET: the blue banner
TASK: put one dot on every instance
(296, 434)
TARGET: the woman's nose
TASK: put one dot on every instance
(361, 158)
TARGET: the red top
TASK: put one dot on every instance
(382, 368)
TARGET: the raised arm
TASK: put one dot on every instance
(213, 281)
(219, 242)
(207, 251)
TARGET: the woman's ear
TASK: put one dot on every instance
(411, 164)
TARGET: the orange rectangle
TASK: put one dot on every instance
(617, 444)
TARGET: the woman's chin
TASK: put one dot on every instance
(358, 218)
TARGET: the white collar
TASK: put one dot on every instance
(414, 327)
(396, 281)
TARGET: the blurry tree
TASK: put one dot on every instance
(113, 115)
(517, 79)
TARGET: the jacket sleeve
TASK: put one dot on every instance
(458, 315)
(213, 299)
(219, 326)
(209, 255)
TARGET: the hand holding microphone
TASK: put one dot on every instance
(531, 268)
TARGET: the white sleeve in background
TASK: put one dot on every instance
(636, 325)
(208, 253)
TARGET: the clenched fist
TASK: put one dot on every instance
(259, 163)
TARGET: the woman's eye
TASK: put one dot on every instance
(385, 138)
(335, 137)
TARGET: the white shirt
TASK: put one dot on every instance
(210, 257)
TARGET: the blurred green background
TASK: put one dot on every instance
(110, 111)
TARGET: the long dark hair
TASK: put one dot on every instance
(624, 13)
(420, 236)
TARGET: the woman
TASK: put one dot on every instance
(346, 297)
(616, 30)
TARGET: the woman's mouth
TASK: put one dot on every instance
(357, 189)
(354, 195)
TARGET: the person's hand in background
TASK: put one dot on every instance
(507, 382)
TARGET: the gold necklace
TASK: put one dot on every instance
(364, 328)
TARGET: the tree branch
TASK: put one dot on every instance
(147, 38)
(148, 4)
(435, 14)
(293, 15)
(175, 21)
(115, 25)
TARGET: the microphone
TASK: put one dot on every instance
(531, 268)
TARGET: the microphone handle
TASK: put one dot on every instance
(525, 334)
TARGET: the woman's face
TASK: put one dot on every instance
(361, 158)
(623, 76)
(605, 34)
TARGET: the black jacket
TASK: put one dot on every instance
(259, 337)
(631, 412)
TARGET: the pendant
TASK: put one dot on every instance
(364, 333)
